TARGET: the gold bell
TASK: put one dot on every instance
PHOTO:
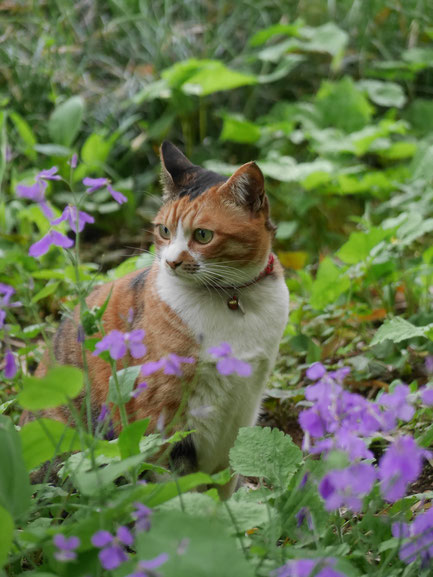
(233, 303)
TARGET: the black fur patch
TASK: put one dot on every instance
(138, 282)
(183, 457)
(202, 181)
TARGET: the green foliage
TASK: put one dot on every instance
(15, 490)
(210, 550)
(265, 452)
(121, 386)
(65, 121)
(6, 534)
(56, 388)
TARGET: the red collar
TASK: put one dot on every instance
(233, 301)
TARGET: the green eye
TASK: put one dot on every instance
(203, 236)
(164, 231)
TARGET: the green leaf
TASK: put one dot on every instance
(384, 93)
(44, 439)
(262, 36)
(95, 150)
(48, 289)
(126, 379)
(130, 437)
(360, 244)
(3, 148)
(327, 38)
(279, 456)
(420, 115)
(286, 229)
(214, 77)
(54, 389)
(398, 329)
(329, 284)
(6, 535)
(237, 129)
(210, 550)
(343, 106)
(26, 134)
(92, 482)
(65, 122)
(15, 489)
(53, 150)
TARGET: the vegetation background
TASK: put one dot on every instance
(331, 98)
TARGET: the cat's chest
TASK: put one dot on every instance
(252, 332)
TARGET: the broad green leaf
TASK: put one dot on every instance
(343, 106)
(384, 93)
(265, 452)
(420, 115)
(285, 65)
(48, 290)
(26, 134)
(92, 482)
(209, 551)
(286, 229)
(46, 438)
(126, 379)
(214, 77)
(6, 534)
(327, 38)
(285, 168)
(65, 122)
(130, 437)
(360, 244)
(422, 164)
(329, 284)
(398, 329)
(95, 151)
(56, 150)
(52, 390)
(237, 129)
(266, 34)
(15, 489)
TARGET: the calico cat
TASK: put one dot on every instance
(214, 280)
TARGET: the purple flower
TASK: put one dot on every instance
(6, 291)
(112, 552)
(53, 237)
(2, 318)
(138, 389)
(420, 533)
(429, 364)
(70, 214)
(308, 568)
(227, 363)
(94, 183)
(36, 192)
(426, 395)
(10, 366)
(142, 515)
(66, 547)
(316, 371)
(73, 161)
(345, 487)
(117, 343)
(397, 403)
(118, 196)
(103, 414)
(304, 515)
(147, 568)
(49, 174)
(400, 465)
(171, 364)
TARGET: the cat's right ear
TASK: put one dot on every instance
(174, 165)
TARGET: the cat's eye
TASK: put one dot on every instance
(164, 231)
(203, 236)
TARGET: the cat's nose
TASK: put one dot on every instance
(173, 264)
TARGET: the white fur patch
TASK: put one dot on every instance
(254, 338)
(178, 245)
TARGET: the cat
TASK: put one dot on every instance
(214, 280)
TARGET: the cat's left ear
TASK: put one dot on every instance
(247, 186)
(175, 167)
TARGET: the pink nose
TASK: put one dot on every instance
(173, 264)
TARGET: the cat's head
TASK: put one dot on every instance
(210, 229)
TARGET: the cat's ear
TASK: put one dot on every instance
(247, 186)
(174, 165)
